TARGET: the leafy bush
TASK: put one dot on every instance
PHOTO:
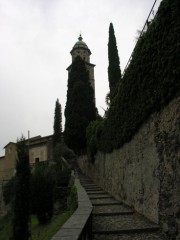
(57, 153)
(67, 153)
(72, 201)
(8, 191)
(61, 173)
(42, 186)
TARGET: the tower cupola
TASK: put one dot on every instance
(81, 49)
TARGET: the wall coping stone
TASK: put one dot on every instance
(72, 229)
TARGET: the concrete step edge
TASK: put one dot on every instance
(105, 197)
(129, 230)
(106, 204)
(113, 214)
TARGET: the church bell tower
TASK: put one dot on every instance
(81, 49)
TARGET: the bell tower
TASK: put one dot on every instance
(81, 49)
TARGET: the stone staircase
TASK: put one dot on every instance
(113, 220)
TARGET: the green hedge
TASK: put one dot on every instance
(151, 80)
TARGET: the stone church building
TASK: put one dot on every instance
(40, 150)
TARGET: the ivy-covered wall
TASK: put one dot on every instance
(150, 82)
(135, 151)
(145, 172)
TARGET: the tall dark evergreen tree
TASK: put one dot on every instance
(42, 193)
(80, 106)
(21, 204)
(114, 71)
(57, 124)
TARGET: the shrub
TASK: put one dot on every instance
(42, 186)
(72, 200)
(8, 191)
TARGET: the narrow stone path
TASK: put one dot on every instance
(113, 220)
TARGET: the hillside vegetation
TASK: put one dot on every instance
(150, 82)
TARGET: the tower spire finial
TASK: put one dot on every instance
(80, 37)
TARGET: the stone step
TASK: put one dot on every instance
(130, 236)
(92, 189)
(88, 185)
(113, 214)
(96, 192)
(104, 202)
(99, 196)
(111, 210)
(84, 183)
(112, 220)
(85, 180)
(122, 224)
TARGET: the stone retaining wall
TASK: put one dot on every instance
(145, 173)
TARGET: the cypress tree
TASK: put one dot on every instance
(80, 107)
(42, 193)
(21, 204)
(57, 124)
(114, 71)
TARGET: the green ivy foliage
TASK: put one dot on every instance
(92, 132)
(151, 80)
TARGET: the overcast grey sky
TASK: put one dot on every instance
(36, 37)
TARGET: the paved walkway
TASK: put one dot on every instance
(112, 220)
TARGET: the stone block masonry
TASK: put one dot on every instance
(145, 172)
